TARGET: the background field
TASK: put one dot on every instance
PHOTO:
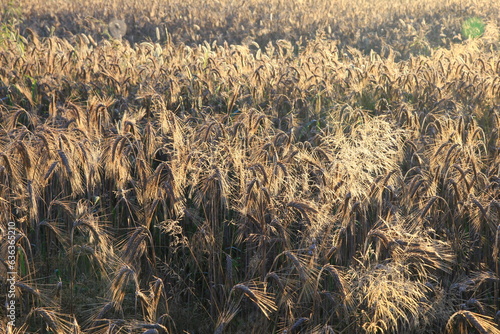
(251, 166)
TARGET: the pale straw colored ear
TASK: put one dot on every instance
(117, 28)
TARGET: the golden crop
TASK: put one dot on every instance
(250, 166)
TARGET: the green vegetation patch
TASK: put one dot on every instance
(473, 27)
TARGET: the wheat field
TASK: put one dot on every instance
(253, 166)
